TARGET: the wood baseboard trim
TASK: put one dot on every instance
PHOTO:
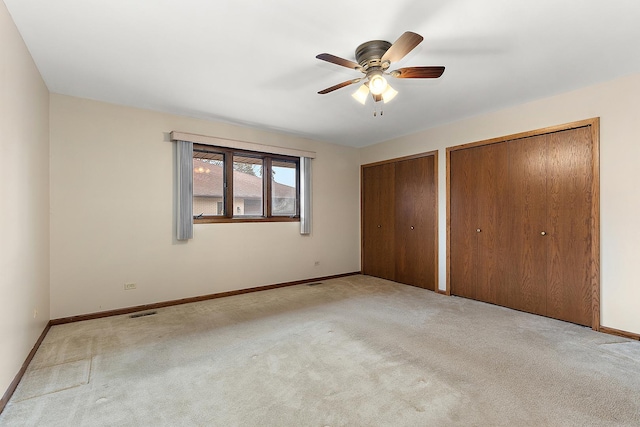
(14, 384)
(129, 310)
(618, 332)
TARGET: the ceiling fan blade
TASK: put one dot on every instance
(405, 44)
(339, 61)
(418, 72)
(339, 86)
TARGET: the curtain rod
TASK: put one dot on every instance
(240, 145)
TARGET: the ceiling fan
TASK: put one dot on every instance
(374, 58)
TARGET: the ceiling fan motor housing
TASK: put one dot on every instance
(369, 54)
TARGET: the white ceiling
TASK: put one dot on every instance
(253, 62)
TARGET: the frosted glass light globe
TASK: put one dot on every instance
(377, 84)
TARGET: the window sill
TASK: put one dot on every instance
(216, 220)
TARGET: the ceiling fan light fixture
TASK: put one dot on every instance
(373, 60)
(377, 84)
(361, 94)
(389, 94)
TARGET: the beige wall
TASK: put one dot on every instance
(112, 220)
(617, 103)
(24, 201)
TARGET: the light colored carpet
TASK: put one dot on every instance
(356, 351)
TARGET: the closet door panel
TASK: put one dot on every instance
(493, 215)
(463, 214)
(378, 247)
(415, 222)
(570, 179)
(527, 246)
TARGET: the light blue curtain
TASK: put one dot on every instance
(305, 195)
(184, 170)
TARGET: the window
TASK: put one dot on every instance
(248, 188)
(208, 183)
(284, 196)
(236, 186)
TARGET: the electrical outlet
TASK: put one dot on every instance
(129, 286)
(317, 263)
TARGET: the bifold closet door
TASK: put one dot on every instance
(378, 216)
(415, 222)
(569, 226)
(530, 203)
(551, 179)
(464, 228)
(527, 245)
(493, 215)
(479, 217)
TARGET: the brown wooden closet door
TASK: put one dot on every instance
(463, 215)
(378, 187)
(527, 245)
(415, 222)
(479, 223)
(493, 215)
(568, 238)
(531, 201)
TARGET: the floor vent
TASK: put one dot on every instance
(148, 313)
(314, 284)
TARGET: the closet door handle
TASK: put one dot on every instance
(379, 226)
(412, 227)
(478, 230)
(544, 233)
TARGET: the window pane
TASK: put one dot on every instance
(208, 183)
(283, 188)
(247, 186)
